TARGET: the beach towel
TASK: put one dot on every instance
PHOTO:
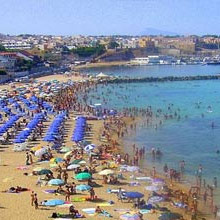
(66, 216)
(114, 190)
(134, 184)
(144, 178)
(144, 211)
(122, 210)
(49, 191)
(65, 205)
(79, 199)
(22, 168)
(105, 214)
(104, 204)
(89, 211)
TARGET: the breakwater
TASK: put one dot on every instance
(158, 79)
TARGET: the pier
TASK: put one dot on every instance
(159, 79)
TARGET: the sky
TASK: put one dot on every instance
(109, 17)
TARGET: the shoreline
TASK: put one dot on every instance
(101, 64)
(203, 210)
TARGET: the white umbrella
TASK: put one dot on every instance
(73, 166)
(89, 147)
(40, 152)
(106, 172)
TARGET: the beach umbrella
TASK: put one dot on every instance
(152, 188)
(54, 202)
(53, 165)
(83, 187)
(65, 150)
(40, 152)
(73, 166)
(89, 147)
(169, 216)
(56, 160)
(83, 176)
(134, 195)
(129, 216)
(36, 148)
(106, 172)
(56, 182)
(158, 181)
(67, 154)
(155, 199)
(44, 172)
(132, 168)
(82, 162)
(76, 161)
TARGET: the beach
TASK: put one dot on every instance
(12, 164)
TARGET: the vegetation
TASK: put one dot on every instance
(113, 45)
(24, 65)
(89, 51)
(2, 48)
(2, 73)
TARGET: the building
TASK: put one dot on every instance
(146, 42)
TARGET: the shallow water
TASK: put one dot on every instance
(191, 138)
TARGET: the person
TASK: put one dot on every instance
(140, 215)
(67, 194)
(73, 211)
(39, 181)
(215, 183)
(73, 188)
(35, 201)
(59, 189)
(182, 166)
(205, 196)
(92, 194)
(165, 169)
(98, 209)
(27, 158)
(154, 172)
(31, 159)
(32, 198)
(215, 211)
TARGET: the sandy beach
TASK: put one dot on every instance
(17, 206)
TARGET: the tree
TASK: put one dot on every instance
(89, 51)
(113, 45)
(2, 72)
(2, 48)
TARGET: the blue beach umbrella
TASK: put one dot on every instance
(56, 182)
(83, 187)
(134, 195)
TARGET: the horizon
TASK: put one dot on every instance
(106, 18)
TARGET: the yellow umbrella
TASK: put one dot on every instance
(36, 148)
(106, 172)
(53, 165)
(67, 154)
(52, 160)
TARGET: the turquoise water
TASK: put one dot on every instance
(191, 138)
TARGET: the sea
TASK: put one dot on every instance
(194, 137)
